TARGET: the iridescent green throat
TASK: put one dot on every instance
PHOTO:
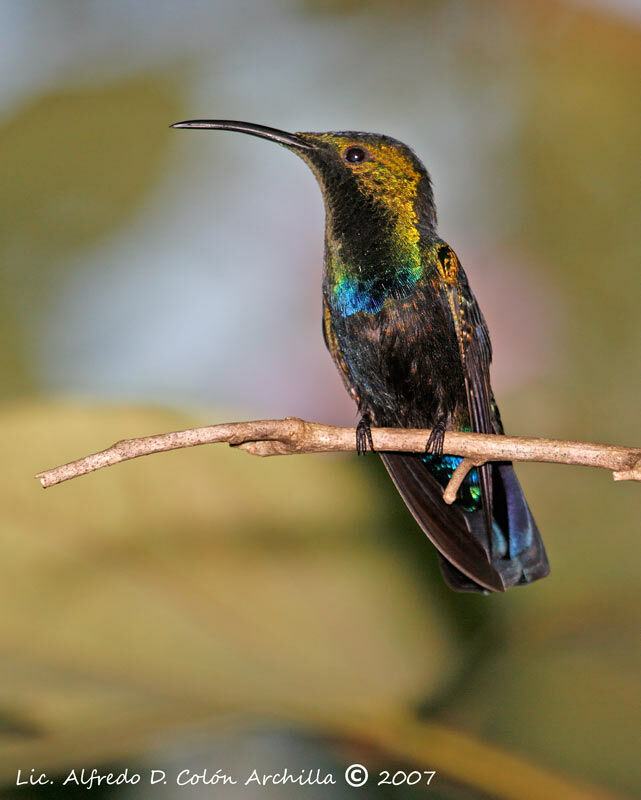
(387, 267)
(372, 238)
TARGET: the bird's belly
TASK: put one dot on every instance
(404, 366)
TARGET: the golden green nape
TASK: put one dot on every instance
(389, 171)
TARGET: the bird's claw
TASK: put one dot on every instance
(436, 439)
(364, 440)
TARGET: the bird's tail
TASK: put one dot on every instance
(459, 531)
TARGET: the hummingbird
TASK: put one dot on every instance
(412, 348)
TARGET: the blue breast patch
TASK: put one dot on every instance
(356, 294)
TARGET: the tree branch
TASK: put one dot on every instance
(459, 475)
(279, 437)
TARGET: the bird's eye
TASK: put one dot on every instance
(354, 155)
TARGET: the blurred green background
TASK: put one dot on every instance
(206, 609)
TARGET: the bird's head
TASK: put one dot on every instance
(362, 175)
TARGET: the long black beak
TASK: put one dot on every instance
(282, 137)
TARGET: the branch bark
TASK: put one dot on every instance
(289, 436)
(458, 476)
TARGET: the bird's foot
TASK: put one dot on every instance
(364, 440)
(434, 444)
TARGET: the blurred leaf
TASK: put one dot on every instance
(583, 691)
(75, 165)
(581, 205)
(194, 582)
(493, 772)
